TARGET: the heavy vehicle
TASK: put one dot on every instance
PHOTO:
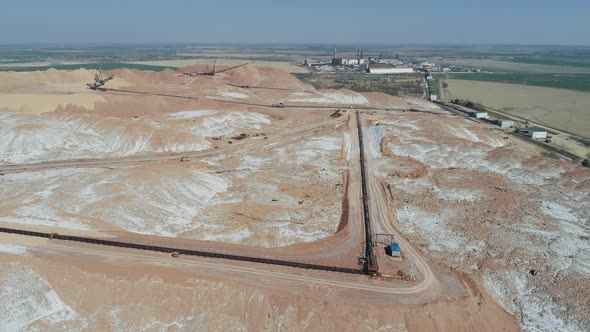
(99, 80)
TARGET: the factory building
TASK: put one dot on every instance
(505, 123)
(348, 62)
(537, 133)
(384, 68)
(358, 61)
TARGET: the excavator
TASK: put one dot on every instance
(212, 72)
(99, 80)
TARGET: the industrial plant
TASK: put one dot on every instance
(360, 63)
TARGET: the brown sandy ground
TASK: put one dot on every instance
(129, 290)
(441, 208)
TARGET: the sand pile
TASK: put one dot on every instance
(45, 91)
(263, 77)
(15, 81)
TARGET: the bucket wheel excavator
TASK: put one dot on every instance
(99, 80)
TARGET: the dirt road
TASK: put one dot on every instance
(382, 217)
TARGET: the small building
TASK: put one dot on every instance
(505, 123)
(537, 133)
(433, 97)
(480, 115)
(384, 68)
(393, 249)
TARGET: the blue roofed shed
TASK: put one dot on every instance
(393, 249)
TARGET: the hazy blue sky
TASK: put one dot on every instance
(301, 21)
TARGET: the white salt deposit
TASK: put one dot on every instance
(35, 137)
(410, 124)
(464, 133)
(471, 155)
(347, 146)
(191, 114)
(431, 226)
(14, 249)
(252, 162)
(300, 94)
(236, 95)
(224, 125)
(73, 200)
(412, 186)
(169, 211)
(287, 233)
(351, 98)
(375, 138)
(236, 236)
(560, 242)
(536, 311)
(558, 211)
(424, 105)
(457, 194)
(28, 298)
(316, 151)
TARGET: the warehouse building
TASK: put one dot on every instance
(537, 133)
(505, 123)
(359, 61)
(384, 68)
(480, 115)
(348, 62)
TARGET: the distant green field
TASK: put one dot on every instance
(555, 61)
(562, 81)
(105, 66)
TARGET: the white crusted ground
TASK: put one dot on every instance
(552, 239)
(37, 137)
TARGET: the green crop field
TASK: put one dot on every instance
(571, 57)
(559, 61)
(562, 81)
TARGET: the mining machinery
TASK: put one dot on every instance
(99, 80)
(212, 72)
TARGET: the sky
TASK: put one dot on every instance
(523, 22)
